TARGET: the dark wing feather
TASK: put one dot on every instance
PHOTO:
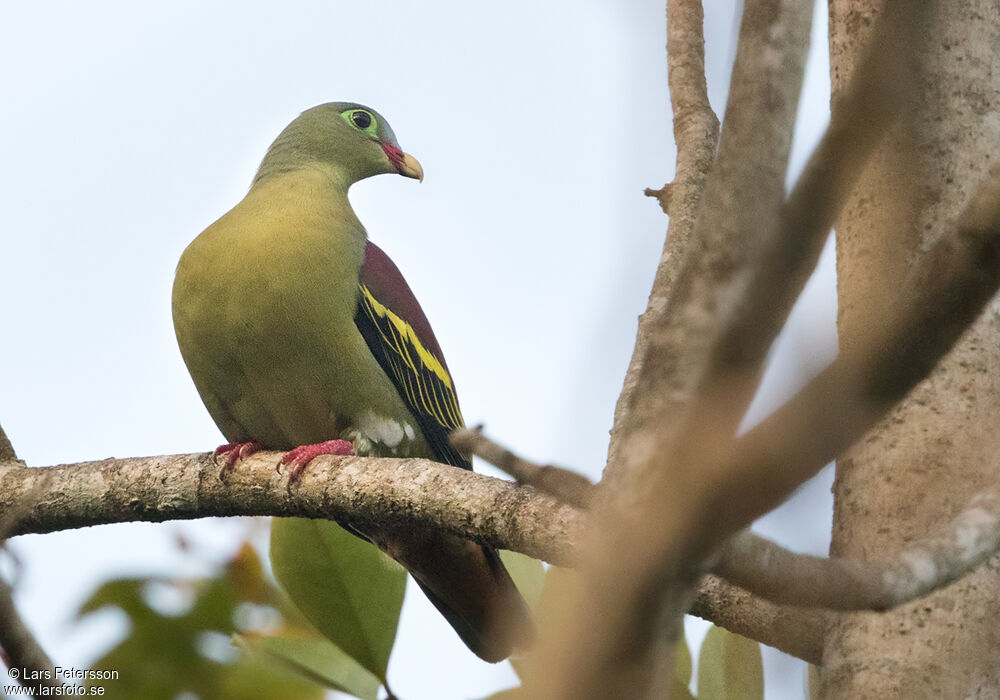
(399, 336)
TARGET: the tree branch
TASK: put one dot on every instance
(771, 571)
(696, 135)
(362, 491)
(906, 338)
(563, 484)
(861, 116)
(359, 490)
(794, 630)
(642, 557)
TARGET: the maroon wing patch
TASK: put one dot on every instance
(401, 340)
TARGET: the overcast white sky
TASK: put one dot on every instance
(129, 127)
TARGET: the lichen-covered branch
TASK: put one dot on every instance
(776, 574)
(794, 630)
(354, 490)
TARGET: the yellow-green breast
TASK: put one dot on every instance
(263, 304)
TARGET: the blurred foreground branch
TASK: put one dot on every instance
(18, 647)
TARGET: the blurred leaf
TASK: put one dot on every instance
(682, 661)
(559, 584)
(814, 681)
(252, 678)
(531, 578)
(680, 691)
(729, 666)
(125, 594)
(316, 659)
(345, 587)
(528, 573)
(186, 650)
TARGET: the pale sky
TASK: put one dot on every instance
(129, 127)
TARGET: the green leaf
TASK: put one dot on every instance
(729, 666)
(528, 574)
(682, 661)
(529, 577)
(680, 691)
(815, 682)
(255, 678)
(345, 587)
(315, 659)
(183, 650)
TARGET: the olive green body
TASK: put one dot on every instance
(263, 306)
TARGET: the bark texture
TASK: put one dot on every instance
(364, 491)
(922, 463)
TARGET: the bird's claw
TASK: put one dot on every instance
(299, 458)
(226, 456)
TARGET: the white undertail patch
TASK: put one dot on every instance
(385, 431)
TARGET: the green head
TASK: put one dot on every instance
(352, 139)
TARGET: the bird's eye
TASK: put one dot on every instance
(361, 119)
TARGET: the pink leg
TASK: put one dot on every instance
(226, 456)
(299, 458)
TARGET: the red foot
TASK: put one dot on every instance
(299, 458)
(226, 456)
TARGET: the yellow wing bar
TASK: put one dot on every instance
(420, 376)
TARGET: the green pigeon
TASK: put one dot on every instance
(302, 335)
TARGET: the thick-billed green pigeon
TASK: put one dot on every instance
(302, 335)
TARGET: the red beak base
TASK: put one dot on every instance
(404, 163)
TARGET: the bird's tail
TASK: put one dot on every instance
(470, 586)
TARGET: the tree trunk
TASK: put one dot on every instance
(922, 464)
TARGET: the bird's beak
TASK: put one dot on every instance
(410, 167)
(404, 163)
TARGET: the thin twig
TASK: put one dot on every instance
(568, 486)
(771, 571)
(663, 196)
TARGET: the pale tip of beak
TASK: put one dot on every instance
(410, 167)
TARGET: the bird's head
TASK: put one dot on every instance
(352, 139)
